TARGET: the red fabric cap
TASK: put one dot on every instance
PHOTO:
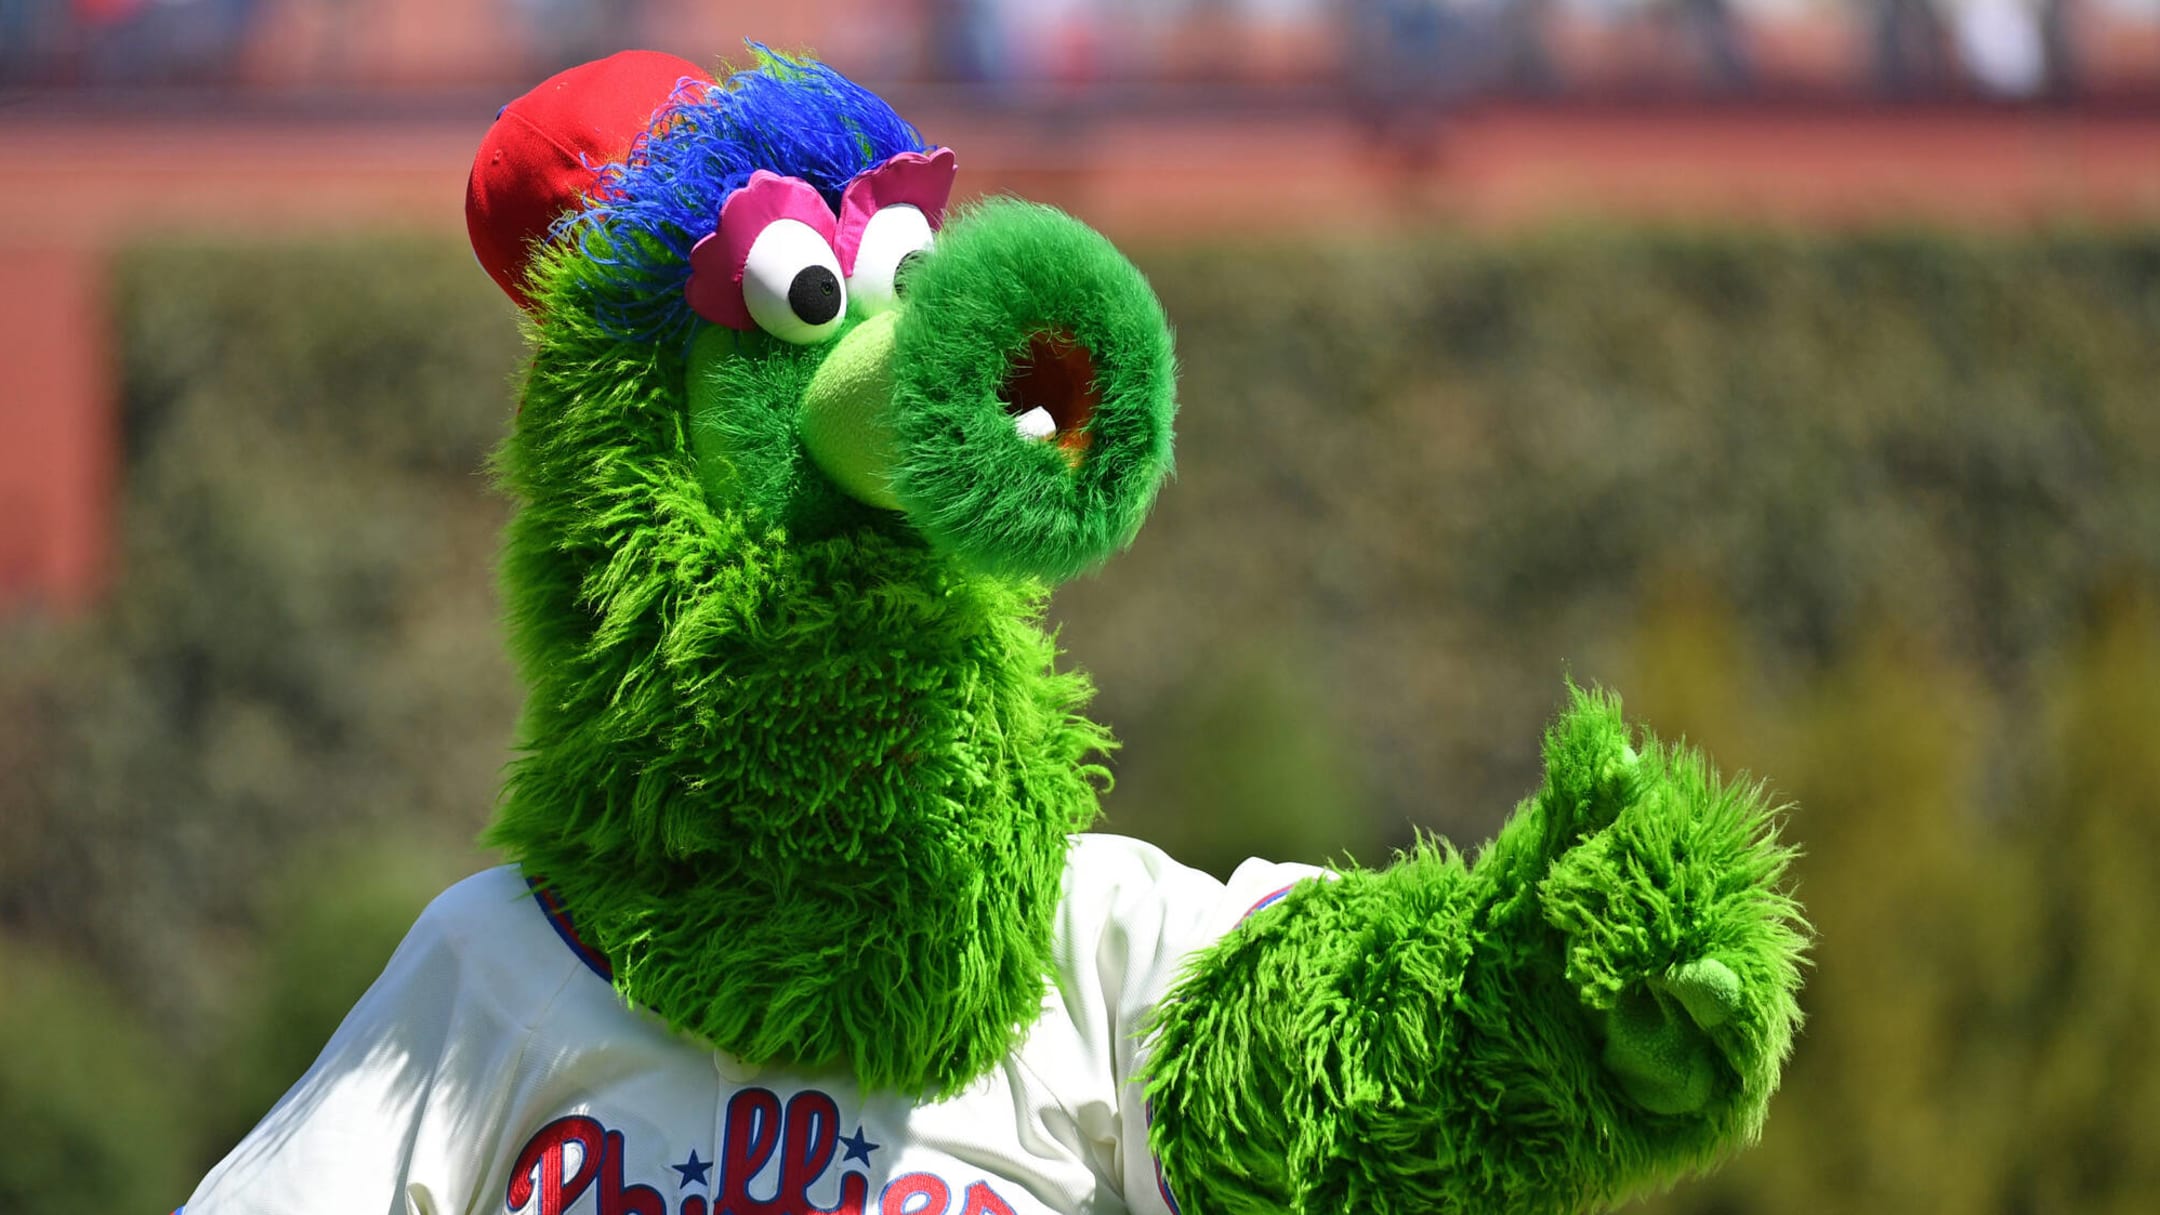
(531, 166)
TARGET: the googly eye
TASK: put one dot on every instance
(791, 283)
(894, 237)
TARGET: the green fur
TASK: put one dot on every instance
(808, 789)
(743, 390)
(1597, 1005)
(1004, 271)
(803, 769)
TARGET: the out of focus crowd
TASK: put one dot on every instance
(1406, 49)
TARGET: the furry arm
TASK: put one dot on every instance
(1596, 1005)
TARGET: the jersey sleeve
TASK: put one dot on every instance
(421, 1064)
(1137, 917)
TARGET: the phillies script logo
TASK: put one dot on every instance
(576, 1155)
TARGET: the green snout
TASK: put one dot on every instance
(847, 422)
(1016, 408)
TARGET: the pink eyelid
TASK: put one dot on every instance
(922, 180)
(716, 261)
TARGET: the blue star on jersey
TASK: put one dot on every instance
(858, 1148)
(692, 1172)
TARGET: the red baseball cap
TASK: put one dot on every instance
(532, 165)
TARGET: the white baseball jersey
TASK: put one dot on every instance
(493, 1070)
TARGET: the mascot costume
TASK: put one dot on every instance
(801, 915)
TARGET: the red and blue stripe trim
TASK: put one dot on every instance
(1267, 902)
(558, 917)
(1162, 1183)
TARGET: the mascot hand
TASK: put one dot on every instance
(1593, 1007)
(1663, 886)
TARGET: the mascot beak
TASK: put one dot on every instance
(1016, 407)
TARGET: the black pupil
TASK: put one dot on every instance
(814, 296)
(906, 267)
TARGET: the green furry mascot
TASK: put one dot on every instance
(801, 916)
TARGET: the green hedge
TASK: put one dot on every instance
(1869, 513)
(1436, 477)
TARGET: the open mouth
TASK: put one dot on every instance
(1050, 391)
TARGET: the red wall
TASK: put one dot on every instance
(102, 183)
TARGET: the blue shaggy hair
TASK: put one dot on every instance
(788, 115)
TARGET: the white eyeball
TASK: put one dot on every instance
(893, 234)
(791, 283)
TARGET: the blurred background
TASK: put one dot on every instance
(1792, 366)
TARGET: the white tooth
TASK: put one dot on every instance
(1036, 423)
